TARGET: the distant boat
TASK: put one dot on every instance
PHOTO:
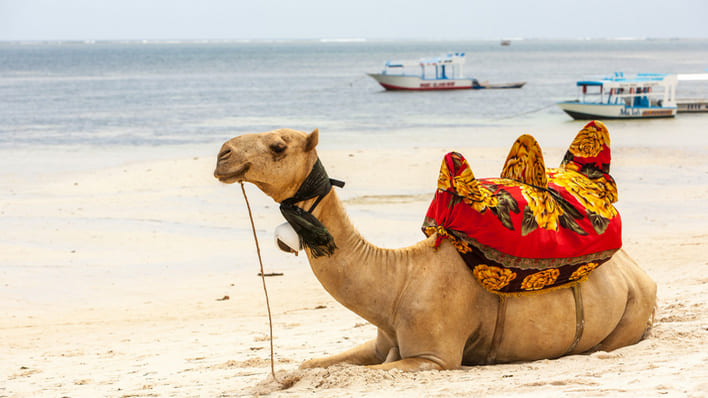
(439, 73)
(645, 95)
(505, 42)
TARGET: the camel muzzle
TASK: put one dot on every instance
(223, 174)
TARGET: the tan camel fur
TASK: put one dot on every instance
(430, 311)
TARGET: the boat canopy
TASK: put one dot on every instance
(445, 67)
(589, 83)
(449, 58)
(643, 89)
(640, 79)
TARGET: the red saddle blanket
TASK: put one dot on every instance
(533, 228)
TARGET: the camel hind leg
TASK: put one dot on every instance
(638, 314)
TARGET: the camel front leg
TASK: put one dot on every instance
(409, 365)
(364, 354)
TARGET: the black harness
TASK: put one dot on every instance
(313, 234)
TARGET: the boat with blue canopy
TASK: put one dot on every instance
(644, 95)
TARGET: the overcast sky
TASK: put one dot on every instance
(337, 19)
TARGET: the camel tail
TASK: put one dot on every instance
(650, 324)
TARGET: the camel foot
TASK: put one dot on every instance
(314, 363)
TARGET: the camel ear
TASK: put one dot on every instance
(312, 140)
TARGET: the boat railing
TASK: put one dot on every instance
(641, 90)
(437, 68)
(631, 96)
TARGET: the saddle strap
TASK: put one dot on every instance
(579, 318)
(501, 315)
(498, 331)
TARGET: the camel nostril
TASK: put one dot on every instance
(224, 155)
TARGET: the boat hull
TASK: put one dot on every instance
(588, 111)
(415, 83)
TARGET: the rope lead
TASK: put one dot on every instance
(265, 290)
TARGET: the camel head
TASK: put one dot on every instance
(277, 161)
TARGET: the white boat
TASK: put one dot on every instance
(439, 73)
(645, 95)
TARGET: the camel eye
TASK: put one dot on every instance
(278, 147)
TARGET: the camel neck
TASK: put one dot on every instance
(362, 277)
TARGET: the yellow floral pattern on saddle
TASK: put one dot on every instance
(532, 228)
(468, 187)
(493, 278)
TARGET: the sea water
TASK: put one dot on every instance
(148, 94)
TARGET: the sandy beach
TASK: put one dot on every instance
(132, 273)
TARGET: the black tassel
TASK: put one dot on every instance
(313, 234)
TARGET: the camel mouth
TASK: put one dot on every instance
(231, 177)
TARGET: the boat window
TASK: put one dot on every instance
(590, 92)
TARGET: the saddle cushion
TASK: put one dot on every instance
(534, 228)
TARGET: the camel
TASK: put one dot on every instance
(429, 310)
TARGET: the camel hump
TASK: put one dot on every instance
(589, 154)
(590, 149)
(525, 162)
(456, 172)
(456, 176)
